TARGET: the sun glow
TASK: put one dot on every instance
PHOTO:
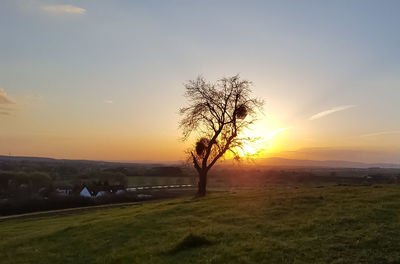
(258, 142)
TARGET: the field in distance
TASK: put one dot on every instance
(277, 224)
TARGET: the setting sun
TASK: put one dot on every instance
(261, 142)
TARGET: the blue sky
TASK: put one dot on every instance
(103, 79)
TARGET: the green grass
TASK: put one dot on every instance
(280, 224)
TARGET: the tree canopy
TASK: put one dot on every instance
(217, 113)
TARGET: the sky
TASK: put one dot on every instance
(104, 80)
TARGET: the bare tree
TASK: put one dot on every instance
(217, 113)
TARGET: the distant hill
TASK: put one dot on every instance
(22, 158)
(273, 161)
(276, 161)
(4, 158)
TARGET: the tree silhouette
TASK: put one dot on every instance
(217, 113)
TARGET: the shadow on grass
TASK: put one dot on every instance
(190, 242)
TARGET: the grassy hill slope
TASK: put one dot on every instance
(280, 224)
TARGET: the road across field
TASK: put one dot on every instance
(155, 187)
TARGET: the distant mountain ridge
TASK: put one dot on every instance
(273, 161)
(45, 159)
(276, 161)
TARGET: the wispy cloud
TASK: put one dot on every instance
(381, 133)
(2, 108)
(277, 131)
(108, 101)
(64, 9)
(4, 98)
(6, 103)
(331, 111)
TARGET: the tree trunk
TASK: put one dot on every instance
(202, 184)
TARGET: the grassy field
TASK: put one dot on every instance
(280, 224)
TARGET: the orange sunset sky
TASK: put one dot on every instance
(103, 80)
